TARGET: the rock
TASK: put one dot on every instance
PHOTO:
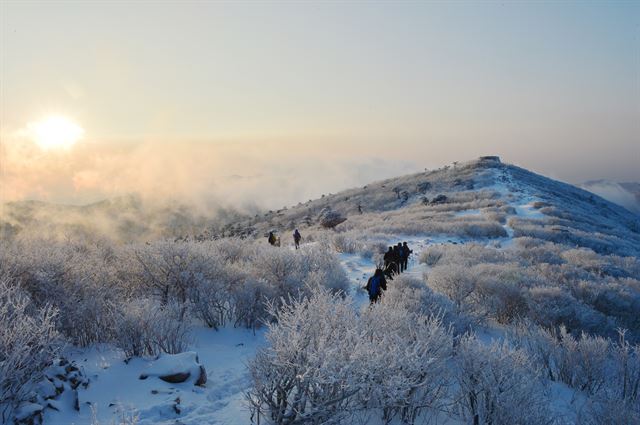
(176, 369)
(331, 219)
(202, 378)
(440, 199)
(176, 378)
(29, 413)
(46, 389)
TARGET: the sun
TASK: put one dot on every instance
(55, 132)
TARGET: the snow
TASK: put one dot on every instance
(468, 213)
(116, 390)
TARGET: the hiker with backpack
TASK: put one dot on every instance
(406, 252)
(376, 284)
(397, 256)
(296, 238)
(388, 258)
(272, 239)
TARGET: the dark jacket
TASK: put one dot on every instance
(382, 284)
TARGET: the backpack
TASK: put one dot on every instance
(374, 287)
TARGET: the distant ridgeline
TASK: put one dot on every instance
(429, 202)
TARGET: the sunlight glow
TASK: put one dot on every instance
(55, 132)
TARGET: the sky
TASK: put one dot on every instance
(283, 101)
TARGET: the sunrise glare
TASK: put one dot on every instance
(55, 132)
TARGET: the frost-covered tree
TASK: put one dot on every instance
(495, 381)
(306, 375)
(28, 343)
(324, 363)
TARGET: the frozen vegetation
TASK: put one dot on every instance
(521, 305)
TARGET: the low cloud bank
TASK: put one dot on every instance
(624, 194)
(192, 179)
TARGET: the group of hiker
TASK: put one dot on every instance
(396, 260)
(275, 241)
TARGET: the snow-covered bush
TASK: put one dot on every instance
(80, 281)
(416, 297)
(148, 329)
(605, 369)
(307, 373)
(454, 281)
(582, 363)
(495, 381)
(248, 302)
(28, 343)
(402, 357)
(170, 269)
(324, 362)
(211, 289)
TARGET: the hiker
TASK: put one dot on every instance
(400, 252)
(406, 252)
(376, 285)
(397, 255)
(389, 271)
(388, 257)
(360, 208)
(296, 238)
(272, 239)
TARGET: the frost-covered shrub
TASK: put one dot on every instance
(210, 292)
(80, 281)
(343, 243)
(28, 343)
(147, 329)
(495, 381)
(431, 255)
(501, 299)
(403, 362)
(454, 281)
(582, 363)
(552, 307)
(248, 302)
(416, 297)
(605, 369)
(324, 362)
(307, 373)
(170, 269)
(602, 410)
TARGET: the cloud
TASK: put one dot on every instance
(203, 174)
(615, 193)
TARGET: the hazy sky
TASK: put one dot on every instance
(330, 94)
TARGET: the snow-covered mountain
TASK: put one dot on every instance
(481, 198)
(514, 295)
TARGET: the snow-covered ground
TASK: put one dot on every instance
(116, 390)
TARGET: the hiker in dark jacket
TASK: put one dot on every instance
(406, 252)
(389, 271)
(272, 239)
(296, 238)
(397, 250)
(388, 258)
(376, 284)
